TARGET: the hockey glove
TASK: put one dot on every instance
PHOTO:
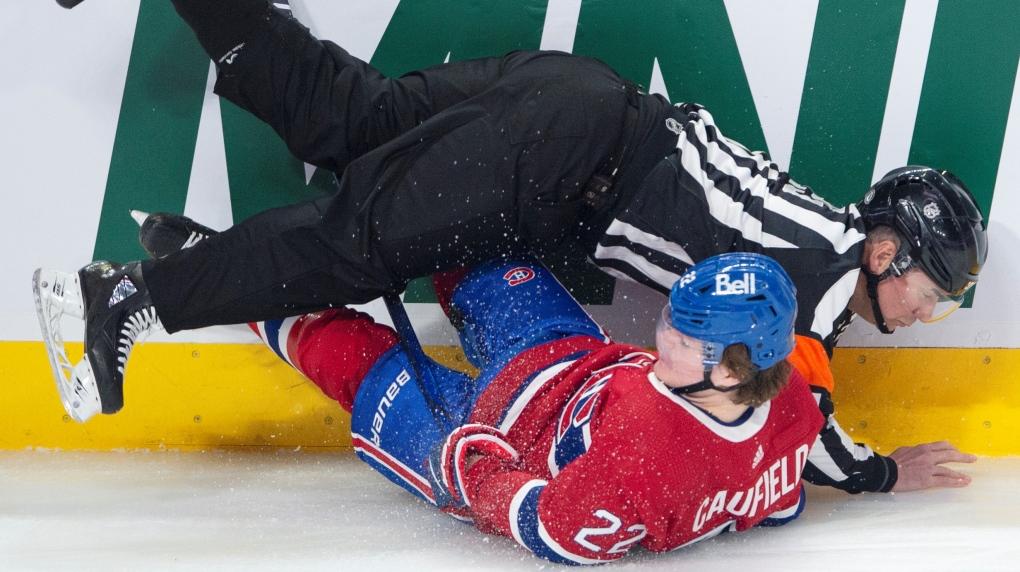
(447, 464)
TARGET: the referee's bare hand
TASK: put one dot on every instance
(921, 466)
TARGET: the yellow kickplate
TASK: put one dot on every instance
(203, 396)
(890, 397)
(176, 396)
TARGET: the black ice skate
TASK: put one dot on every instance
(161, 234)
(118, 312)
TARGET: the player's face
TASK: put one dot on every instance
(911, 297)
(679, 354)
(682, 357)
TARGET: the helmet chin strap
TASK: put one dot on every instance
(873, 280)
(704, 384)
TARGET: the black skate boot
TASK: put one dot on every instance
(118, 313)
(161, 234)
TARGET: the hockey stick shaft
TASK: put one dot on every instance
(416, 355)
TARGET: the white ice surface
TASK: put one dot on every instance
(297, 511)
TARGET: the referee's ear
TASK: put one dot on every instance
(879, 254)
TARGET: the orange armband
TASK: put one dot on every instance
(811, 360)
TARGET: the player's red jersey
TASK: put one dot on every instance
(610, 458)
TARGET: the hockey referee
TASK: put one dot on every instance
(455, 164)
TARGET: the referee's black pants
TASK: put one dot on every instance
(442, 167)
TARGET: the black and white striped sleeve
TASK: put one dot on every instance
(713, 195)
(628, 252)
(836, 461)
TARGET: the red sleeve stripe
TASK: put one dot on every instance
(395, 467)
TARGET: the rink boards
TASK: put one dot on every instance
(210, 396)
(105, 121)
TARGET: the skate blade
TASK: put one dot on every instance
(58, 294)
(61, 291)
(84, 392)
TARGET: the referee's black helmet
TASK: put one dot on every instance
(940, 227)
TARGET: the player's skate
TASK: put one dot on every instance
(118, 312)
(163, 233)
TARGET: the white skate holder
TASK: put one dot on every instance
(58, 294)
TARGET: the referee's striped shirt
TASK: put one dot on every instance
(712, 195)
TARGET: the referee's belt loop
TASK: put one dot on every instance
(600, 190)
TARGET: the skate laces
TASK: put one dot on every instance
(134, 329)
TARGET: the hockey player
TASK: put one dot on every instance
(455, 164)
(576, 447)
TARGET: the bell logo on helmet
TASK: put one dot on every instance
(736, 298)
(931, 210)
(724, 286)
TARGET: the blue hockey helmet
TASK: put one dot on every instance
(736, 298)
